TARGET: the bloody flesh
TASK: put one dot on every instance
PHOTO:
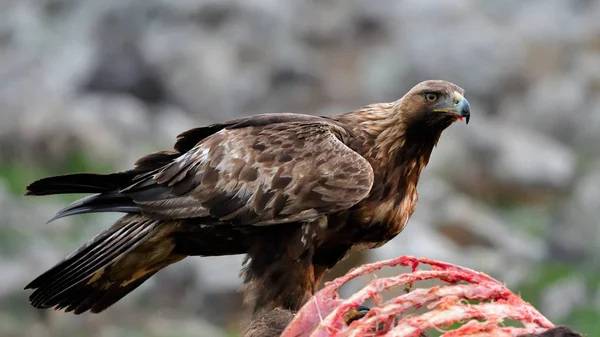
(323, 315)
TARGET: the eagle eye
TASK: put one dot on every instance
(431, 96)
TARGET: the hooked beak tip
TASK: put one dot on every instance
(464, 109)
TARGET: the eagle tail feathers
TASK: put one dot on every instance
(86, 280)
(80, 183)
(97, 203)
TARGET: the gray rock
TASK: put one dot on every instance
(323, 23)
(554, 21)
(12, 279)
(473, 224)
(171, 122)
(559, 299)
(219, 274)
(575, 232)
(560, 114)
(588, 124)
(496, 56)
(500, 159)
(465, 232)
(197, 327)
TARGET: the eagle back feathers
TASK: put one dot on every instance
(260, 175)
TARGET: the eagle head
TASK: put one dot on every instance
(434, 103)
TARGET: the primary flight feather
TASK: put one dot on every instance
(294, 192)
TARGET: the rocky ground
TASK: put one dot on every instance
(92, 85)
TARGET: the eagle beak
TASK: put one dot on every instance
(462, 107)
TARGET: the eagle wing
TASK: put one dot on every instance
(259, 175)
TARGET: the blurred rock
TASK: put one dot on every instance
(209, 286)
(497, 159)
(469, 223)
(496, 56)
(588, 137)
(325, 23)
(193, 328)
(575, 233)
(104, 127)
(554, 21)
(558, 114)
(466, 232)
(559, 299)
(121, 67)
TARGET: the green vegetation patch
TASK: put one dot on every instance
(18, 174)
(545, 275)
(12, 240)
(585, 320)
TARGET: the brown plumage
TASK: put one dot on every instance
(293, 192)
(269, 324)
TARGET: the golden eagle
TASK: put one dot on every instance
(294, 192)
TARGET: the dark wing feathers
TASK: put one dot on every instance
(190, 138)
(81, 265)
(79, 183)
(265, 169)
(96, 299)
(106, 268)
(277, 173)
(106, 202)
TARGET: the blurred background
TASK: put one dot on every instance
(89, 85)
